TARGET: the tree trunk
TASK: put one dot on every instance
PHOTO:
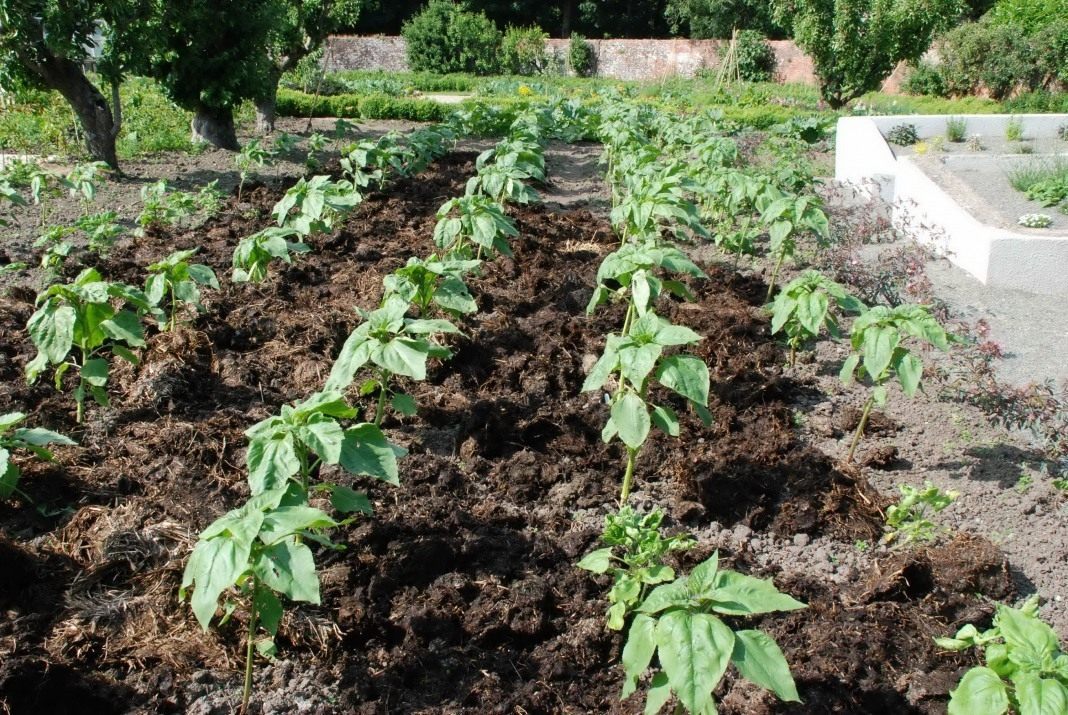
(565, 22)
(265, 106)
(89, 105)
(216, 127)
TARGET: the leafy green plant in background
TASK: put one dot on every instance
(315, 205)
(580, 56)
(956, 129)
(1025, 671)
(81, 182)
(290, 447)
(101, 229)
(175, 277)
(253, 155)
(634, 557)
(802, 309)
(680, 624)
(56, 248)
(9, 196)
(254, 253)
(79, 317)
(394, 345)
(473, 226)
(161, 208)
(433, 282)
(786, 216)
(523, 51)
(631, 272)
(34, 440)
(903, 134)
(907, 522)
(1014, 129)
(448, 37)
(636, 359)
(879, 354)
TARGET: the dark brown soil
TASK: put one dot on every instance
(460, 594)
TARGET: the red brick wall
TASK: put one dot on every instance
(617, 59)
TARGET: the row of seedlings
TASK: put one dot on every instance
(676, 619)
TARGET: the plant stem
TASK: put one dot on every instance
(860, 427)
(774, 275)
(174, 310)
(380, 408)
(250, 648)
(628, 475)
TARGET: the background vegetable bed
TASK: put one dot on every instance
(460, 594)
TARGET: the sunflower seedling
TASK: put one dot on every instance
(34, 440)
(802, 309)
(80, 317)
(81, 182)
(787, 216)
(473, 220)
(879, 355)
(1025, 671)
(434, 281)
(254, 253)
(313, 206)
(907, 522)
(252, 155)
(634, 556)
(679, 623)
(179, 279)
(394, 345)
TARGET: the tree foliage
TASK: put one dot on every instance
(448, 37)
(855, 44)
(717, 19)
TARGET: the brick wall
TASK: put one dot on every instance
(617, 59)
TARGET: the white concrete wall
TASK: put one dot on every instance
(1025, 259)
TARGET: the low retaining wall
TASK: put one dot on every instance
(1033, 261)
(615, 59)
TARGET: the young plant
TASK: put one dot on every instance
(907, 522)
(473, 220)
(290, 447)
(160, 209)
(633, 268)
(316, 144)
(81, 182)
(313, 206)
(679, 623)
(179, 279)
(34, 440)
(56, 248)
(634, 556)
(1026, 670)
(434, 281)
(637, 359)
(261, 550)
(879, 354)
(102, 230)
(393, 345)
(80, 317)
(501, 183)
(252, 155)
(956, 129)
(209, 199)
(10, 196)
(786, 216)
(254, 253)
(1014, 129)
(802, 309)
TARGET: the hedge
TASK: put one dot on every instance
(292, 103)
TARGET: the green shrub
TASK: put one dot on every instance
(580, 57)
(523, 51)
(447, 37)
(903, 135)
(1051, 46)
(985, 55)
(926, 80)
(1031, 15)
(1038, 102)
(292, 103)
(384, 106)
(756, 59)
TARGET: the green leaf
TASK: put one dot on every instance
(667, 596)
(214, 566)
(271, 461)
(738, 595)
(631, 418)
(1040, 696)
(909, 373)
(289, 568)
(658, 695)
(694, 651)
(404, 404)
(812, 311)
(686, 375)
(348, 501)
(9, 474)
(125, 326)
(597, 561)
(95, 372)
(125, 354)
(879, 346)
(980, 692)
(203, 275)
(323, 435)
(638, 651)
(848, 368)
(759, 659)
(666, 419)
(403, 356)
(365, 450)
(269, 610)
(52, 330)
(40, 437)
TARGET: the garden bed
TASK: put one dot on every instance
(461, 593)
